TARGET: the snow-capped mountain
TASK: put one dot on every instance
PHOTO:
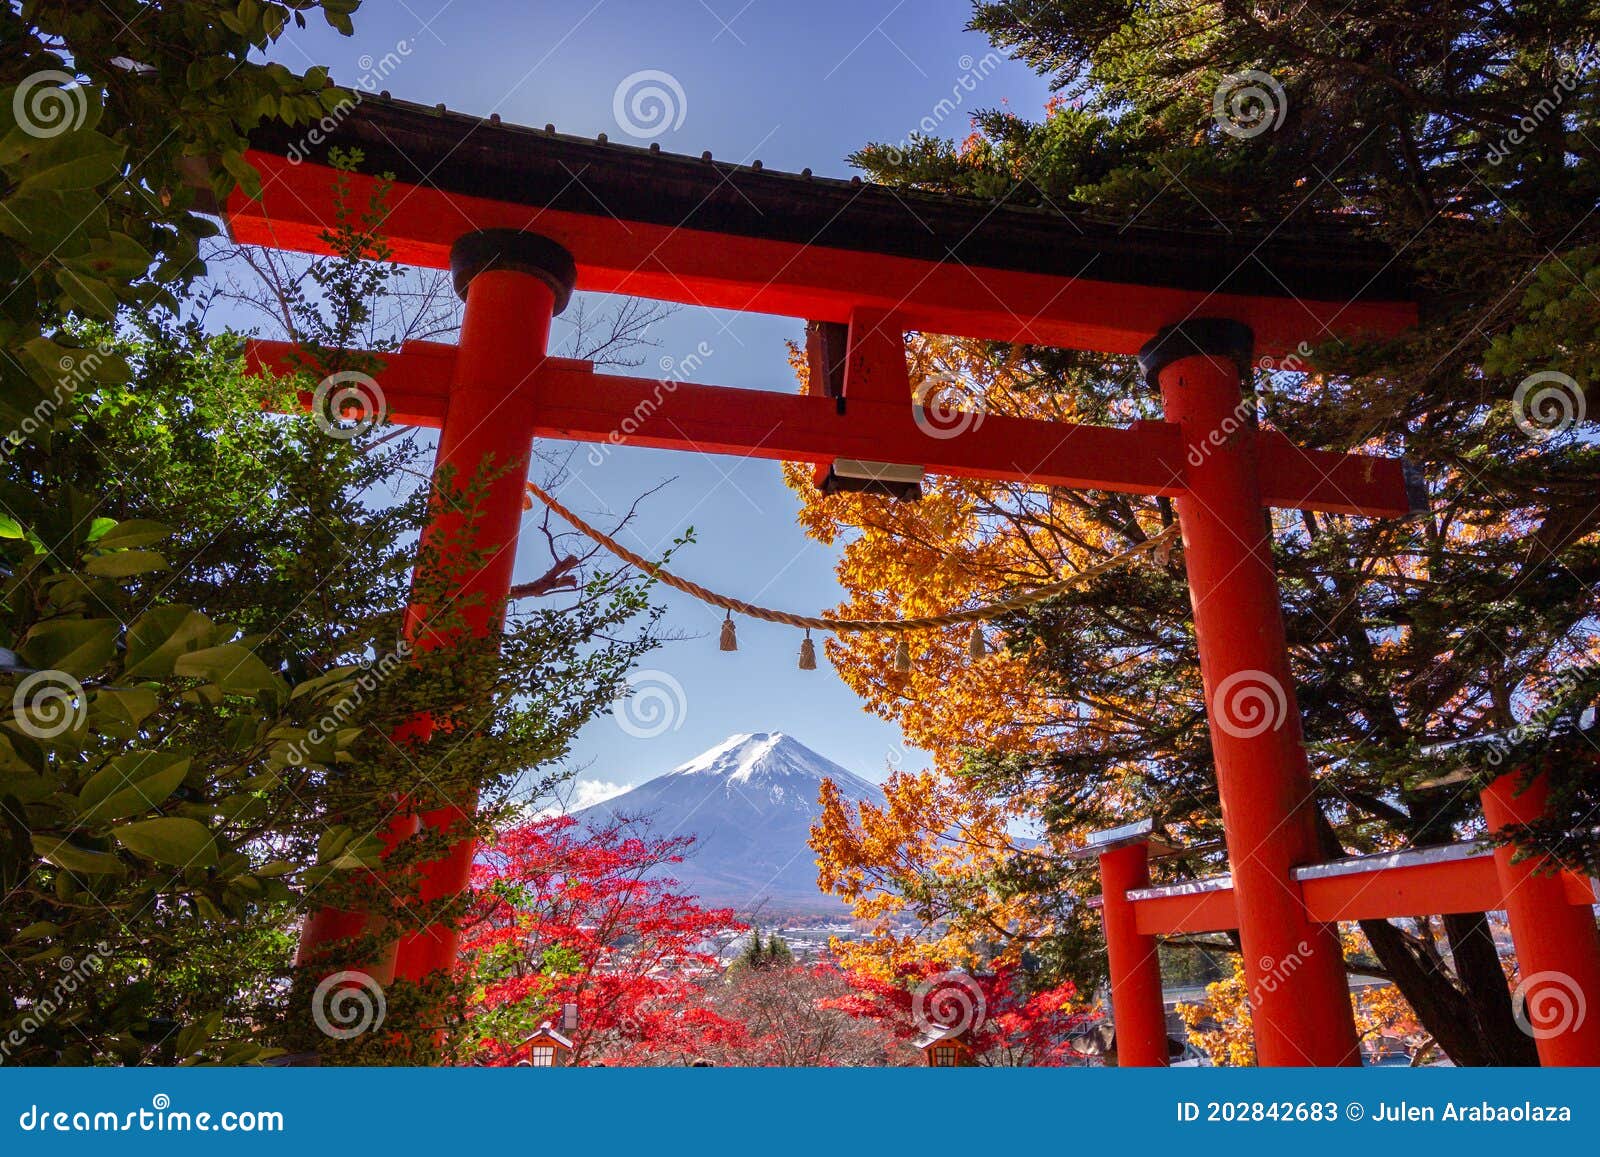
(749, 802)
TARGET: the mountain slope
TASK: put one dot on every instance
(749, 802)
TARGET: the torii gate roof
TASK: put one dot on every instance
(703, 232)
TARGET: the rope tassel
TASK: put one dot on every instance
(730, 639)
(976, 647)
(902, 657)
(808, 654)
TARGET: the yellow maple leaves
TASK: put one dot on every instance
(916, 872)
(928, 860)
(1220, 1024)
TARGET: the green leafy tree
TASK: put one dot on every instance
(754, 954)
(204, 668)
(107, 113)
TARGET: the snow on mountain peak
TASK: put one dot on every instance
(768, 758)
(749, 802)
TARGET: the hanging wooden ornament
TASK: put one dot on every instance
(902, 656)
(808, 654)
(976, 647)
(730, 640)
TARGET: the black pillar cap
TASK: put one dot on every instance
(475, 253)
(1213, 336)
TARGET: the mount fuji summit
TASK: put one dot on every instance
(749, 802)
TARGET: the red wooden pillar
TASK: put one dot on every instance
(513, 283)
(327, 928)
(1558, 949)
(1299, 995)
(1136, 1004)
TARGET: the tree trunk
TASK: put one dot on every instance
(1440, 1006)
(1487, 995)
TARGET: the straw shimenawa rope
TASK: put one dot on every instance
(820, 623)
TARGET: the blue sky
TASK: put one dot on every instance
(796, 86)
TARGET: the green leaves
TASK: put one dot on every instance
(231, 668)
(65, 854)
(337, 13)
(173, 840)
(136, 532)
(168, 765)
(119, 711)
(79, 160)
(80, 647)
(129, 784)
(160, 636)
(342, 849)
(125, 563)
(243, 172)
(48, 220)
(116, 256)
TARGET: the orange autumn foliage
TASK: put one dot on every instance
(1221, 1023)
(880, 860)
(968, 541)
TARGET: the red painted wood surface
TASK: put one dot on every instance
(1466, 885)
(1558, 949)
(696, 267)
(1263, 780)
(1134, 968)
(1173, 915)
(573, 403)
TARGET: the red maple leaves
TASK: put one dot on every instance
(591, 916)
(566, 914)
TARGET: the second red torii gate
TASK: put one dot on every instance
(522, 218)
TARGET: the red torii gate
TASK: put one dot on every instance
(523, 217)
(1551, 911)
